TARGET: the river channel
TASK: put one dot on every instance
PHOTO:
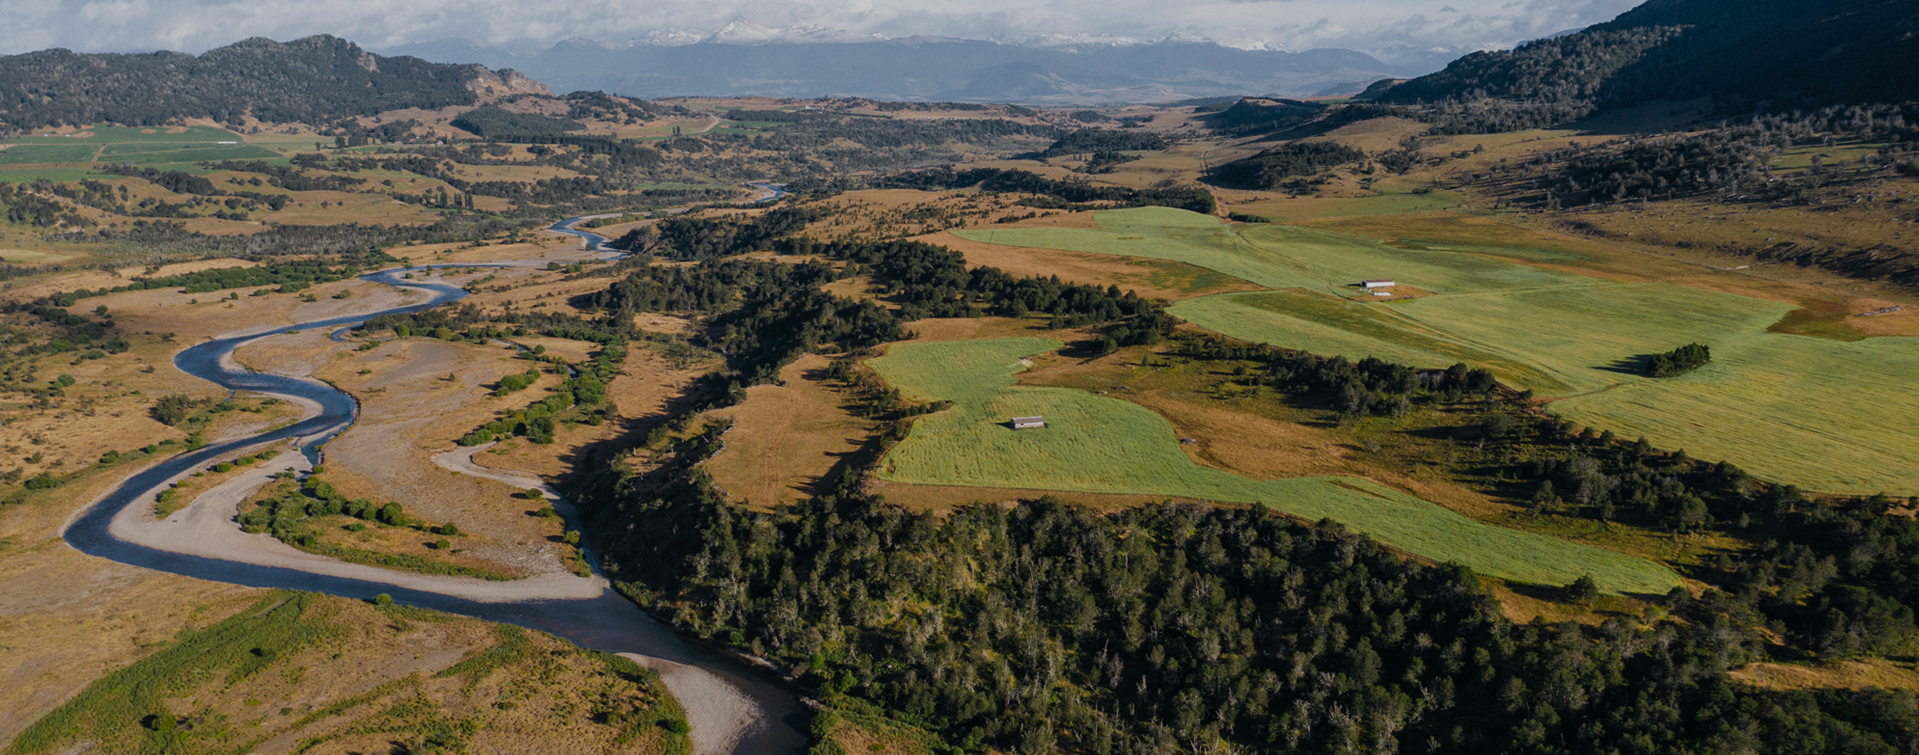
(732, 706)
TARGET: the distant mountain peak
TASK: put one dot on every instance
(741, 31)
(1077, 40)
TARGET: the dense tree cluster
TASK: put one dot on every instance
(1771, 55)
(1732, 160)
(32, 205)
(1679, 361)
(1258, 116)
(1166, 628)
(318, 80)
(494, 121)
(684, 238)
(1089, 140)
(1540, 83)
(1271, 167)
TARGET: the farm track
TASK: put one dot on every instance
(731, 706)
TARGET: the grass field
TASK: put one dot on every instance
(1809, 411)
(32, 154)
(175, 148)
(1101, 445)
(337, 675)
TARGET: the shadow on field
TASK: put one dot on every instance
(1635, 365)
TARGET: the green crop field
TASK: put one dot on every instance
(119, 144)
(1100, 445)
(31, 154)
(1809, 411)
(123, 134)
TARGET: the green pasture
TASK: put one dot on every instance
(37, 154)
(1819, 413)
(1102, 445)
(124, 134)
(120, 144)
(35, 173)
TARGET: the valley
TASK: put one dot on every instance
(449, 414)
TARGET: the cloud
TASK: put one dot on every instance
(1384, 27)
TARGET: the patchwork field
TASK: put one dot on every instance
(1101, 445)
(1786, 407)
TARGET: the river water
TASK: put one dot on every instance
(732, 706)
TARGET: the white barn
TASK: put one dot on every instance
(1382, 283)
(1028, 423)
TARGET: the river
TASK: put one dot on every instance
(732, 706)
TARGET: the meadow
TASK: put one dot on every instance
(1804, 410)
(175, 149)
(1094, 444)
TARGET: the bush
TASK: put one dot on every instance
(174, 409)
(383, 600)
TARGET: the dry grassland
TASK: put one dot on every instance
(642, 396)
(334, 675)
(103, 615)
(1857, 674)
(787, 436)
(409, 411)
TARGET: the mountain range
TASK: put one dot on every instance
(745, 58)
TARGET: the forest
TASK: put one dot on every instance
(1771, 56)
(319, 79)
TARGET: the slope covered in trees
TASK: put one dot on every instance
(1765, 55)
(318, 79)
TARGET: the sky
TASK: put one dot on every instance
(1387, 28)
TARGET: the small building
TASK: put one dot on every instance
(1386, 283)
(1028, 423)
(1377, 292)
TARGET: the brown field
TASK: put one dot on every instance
(411, 410)
(642, 395)
(104, 616)
(372, 681)
(970, 328)
(786, 437)
(1374, 135)
(1855, 674)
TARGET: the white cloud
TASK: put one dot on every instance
(1380, 26)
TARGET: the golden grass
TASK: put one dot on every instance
(1856, 674)
(332, 674)
(786, 437)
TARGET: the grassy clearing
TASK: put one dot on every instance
(1542, 327)
(303, 672)
(1100, 445)
(31, 154)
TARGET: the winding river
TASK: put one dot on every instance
(732, 706)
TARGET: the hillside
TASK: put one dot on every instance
(318, 79)
(1767, 55)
